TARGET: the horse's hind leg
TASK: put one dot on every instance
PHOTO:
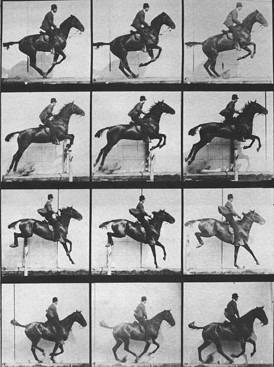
(241, 353)
(206, 66)
(198, 235)
(111, 234)
(213, 64)
(251, 252)
(196, 148)
(32, 59)
(33, 347)
(122, 68)
(157, 347)
(201, 348)
(126, 348)
(119, 342)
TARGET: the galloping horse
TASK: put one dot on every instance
(221, 42)
(42, 134)
(27, 227)
(29, 45)
(36, 331)
(123, 227)
(210, 227)
(215, 332)
(243, 130)
(131, 132)
(125, 331)
(120, 46)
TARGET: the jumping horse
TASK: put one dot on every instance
(36, 331)
(30, 45)
(42, 134)
(212, 46)
(210, 227)
(125, 331)
(121, 45)
(215, 332)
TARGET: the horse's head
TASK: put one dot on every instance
(71, 213)
(164, 216)
(260, 314)
(259, 18)
(167, 316)
(254, 217)
(165, 108)
(76, 110)
(80, 318)
(167, 21)
(254, 107)
(75, 23)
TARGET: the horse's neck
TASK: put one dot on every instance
(65, 28)
(65, 220)
(65, 114)
(248, 23)
(249, 318)
(246, 224)
(156, 224)
(155, 115)
(157, 321)
(247, 117)
(67, 322)
(156, 25)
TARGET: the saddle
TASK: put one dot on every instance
(137, 325)
(228, 34)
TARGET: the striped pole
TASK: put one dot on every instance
(14, 334)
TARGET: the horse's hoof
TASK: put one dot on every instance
(124, 359)
(13, 245)
(164, 258)
(45, 76)
(257, 263)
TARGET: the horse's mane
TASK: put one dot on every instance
(246, 19)
(64, 21)
(248, 313)
(157, 18)
(64, 108)
(153, 107)
(247, 106)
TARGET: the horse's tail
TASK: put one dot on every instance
(191, 44)
(16, 323)
(9, 136)
(193, 131)
(105, 224)
(193, 326)
(99, 44)
(190, 223)
(8, 44)
(99, 133)
(105, 325)
(13, 224)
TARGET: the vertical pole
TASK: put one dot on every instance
(57, 247)
(222, 244)
(109, 37)
(141, 245)
(265, 129)
(14, 335)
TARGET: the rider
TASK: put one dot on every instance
(232, 21)
(141, 315)
(140, 24)
(48, 27)
(230, 218)
(229, 111)
(140, 216)
(135, 115)
(231, 311)
(48, 214)
(53, 318)
(46, 117)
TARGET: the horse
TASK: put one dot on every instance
(42, 134)
(221, 42)
(121, 45)
(242, 131)
(215, 332)
(151, 121)
(125, 331)
(36, 331)
(210, 227)
(30, 45)
(27, 227)
(123, 227)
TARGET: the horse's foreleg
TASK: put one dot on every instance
(154, 255)
(153, 59)
(69, 137)
(253, 138)
(119, 342)
(163, 136)
(52, 354)
(246, 48)
(250, 145)
(33, 347)
(236, 250)
(67, 251)
(213, 64)
(144, 351)
(61, 52)
(251, 341)
(55, 62)
(162, 247)
(160, 138)
(201, 348)
(126, 66)
(242, 352)
(61, 350)
(157, 347)
(251, 252)
(126, 348)
(70, 244)
(122, 68)
(220, 350)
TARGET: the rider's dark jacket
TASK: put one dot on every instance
(52, 312)
(48, 22)
(141, 208)
(232, 309)
(229, 111)
(48, 207)
(139, 20)
(140, 311)
(46, 113)
(232, 18)
(230, 209)
(136, 110)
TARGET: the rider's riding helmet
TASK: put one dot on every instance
(50, 196)
(234, 97)
(230, 196)
(53, 7)
(143, 298)
(239, 5)
(53, 100)
(235, 296)
(146, 6)
(143, 98)
(141, 197)
(54, 299)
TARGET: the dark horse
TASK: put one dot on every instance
(210, 227)
(131, 132)
(215, 332)
(222, 42)
(242, 131)
(123, 227)
(27, 227)
(36, 331)
(120, 46)
(42, 134)
(30, 45)
(125, 331)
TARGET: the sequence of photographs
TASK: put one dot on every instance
(212, 54)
